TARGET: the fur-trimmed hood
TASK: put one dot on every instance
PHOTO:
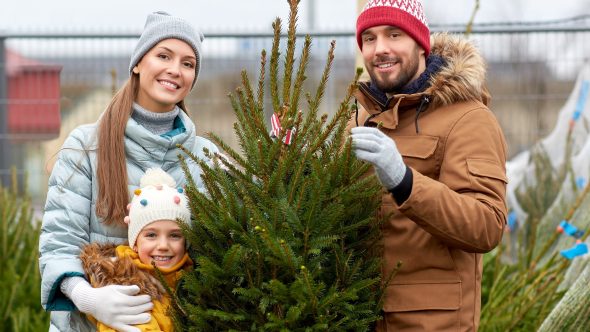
(461, 78)
(109, 264)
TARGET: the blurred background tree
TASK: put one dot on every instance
(20, 282)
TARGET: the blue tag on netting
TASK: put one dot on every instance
(577, 250)
(581, 99)
(512, 220)
(569, 229)
(580, 182)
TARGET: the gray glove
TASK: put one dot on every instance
(372, 145)
(116, 306)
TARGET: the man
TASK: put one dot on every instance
(440, 153)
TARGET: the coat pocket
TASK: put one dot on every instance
(487, 177)
(486, 168)
(419, 152)
(423, 296)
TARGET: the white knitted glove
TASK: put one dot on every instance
(115, 305)
(372, 145)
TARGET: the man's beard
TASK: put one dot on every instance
(406, 74)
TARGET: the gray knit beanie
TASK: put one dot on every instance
(160, 26)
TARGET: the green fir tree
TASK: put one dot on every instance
(286, 237)
(20, 294)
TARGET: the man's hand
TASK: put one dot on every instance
(372, 145)
(116, 306)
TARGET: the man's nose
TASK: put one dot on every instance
(381, 46)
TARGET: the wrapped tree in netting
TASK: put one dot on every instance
(286, 237)
(572, 313)
(544, 251)
(566, 154)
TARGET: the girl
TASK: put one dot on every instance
(154, 238)
(100, 165)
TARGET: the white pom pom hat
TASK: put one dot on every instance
(158, 199)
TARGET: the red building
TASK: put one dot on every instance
(33, 98)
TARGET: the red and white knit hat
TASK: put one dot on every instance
(407, 15)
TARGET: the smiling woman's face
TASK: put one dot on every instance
(166, 74)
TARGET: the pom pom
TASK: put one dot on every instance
(143, 202)
(180, 190)
(127, 220)
(156, 176)
(128, 206)
(176, 199)
(137, 192)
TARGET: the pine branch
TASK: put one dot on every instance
(469, 26)
(274, 66)
(300, 78)
(325, 76)
(248, 96)
(290, 56)
(342, 112)
(314, 104)
(261, 78)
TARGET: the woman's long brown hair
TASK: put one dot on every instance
(111, 169)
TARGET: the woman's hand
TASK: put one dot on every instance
(115, 305)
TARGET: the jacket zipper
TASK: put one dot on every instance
(424, 101)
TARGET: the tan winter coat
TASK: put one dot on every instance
(456, 210)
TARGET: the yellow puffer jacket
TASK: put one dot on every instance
(109, 265)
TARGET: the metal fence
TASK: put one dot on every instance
(531, 72)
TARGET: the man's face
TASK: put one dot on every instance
(392, 58)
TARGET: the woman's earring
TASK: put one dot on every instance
(135, 70)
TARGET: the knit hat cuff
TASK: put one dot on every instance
(385, 15)
(160, 26)
(151, 216)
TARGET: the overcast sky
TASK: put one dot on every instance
(254, 15)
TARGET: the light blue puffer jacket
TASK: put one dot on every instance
(70, 220)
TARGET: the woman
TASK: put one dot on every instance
(100, 165)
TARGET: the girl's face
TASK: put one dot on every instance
(162, 242)
(166, 74)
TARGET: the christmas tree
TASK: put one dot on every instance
(286, 237)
